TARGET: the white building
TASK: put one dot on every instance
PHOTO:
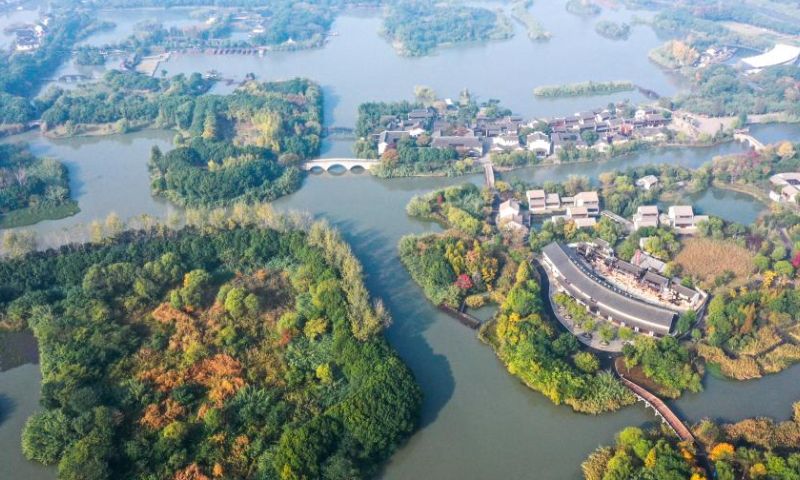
(508, 209)
(645, 216)
(590, 200)
(537, 201)
(540, 144)
(682, 217)
(647, 182)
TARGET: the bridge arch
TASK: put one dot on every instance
(347, 163)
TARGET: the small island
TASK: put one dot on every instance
(583, 7)
(418, 28)
(588, 88)
(244, 346)
(613, 30)
(32, 189)
(521, 13)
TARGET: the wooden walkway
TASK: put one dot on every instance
(488, 171)
(461, 317)
(661, 409)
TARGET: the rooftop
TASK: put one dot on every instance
(682, 210)
(780, 55)
(580, 280)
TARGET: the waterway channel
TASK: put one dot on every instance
(478, 421)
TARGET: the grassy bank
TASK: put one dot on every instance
(29, 216)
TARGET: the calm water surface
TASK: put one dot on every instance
(478, 421)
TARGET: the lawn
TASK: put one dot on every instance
(705, 258)
(26, 216)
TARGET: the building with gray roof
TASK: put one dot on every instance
(577, 280)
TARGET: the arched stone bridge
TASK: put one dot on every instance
(750, 140)
(347, 163)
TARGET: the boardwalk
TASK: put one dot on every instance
(750, 140)
(488, 171)
(661, 409)
(461, 317)
(347, 163)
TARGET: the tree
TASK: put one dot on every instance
(786, 150)
(46, 435)
(586, 361)
(607, 332)
(234, 302)
(425, 94)
(19, 243)
(590, 137)
(784, 269)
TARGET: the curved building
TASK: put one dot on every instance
(575, 279)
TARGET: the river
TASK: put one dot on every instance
(478, 421)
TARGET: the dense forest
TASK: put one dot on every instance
(218, 173)
(757, 448)
(280, 124)
(31, 188)
(246, 351)
(418, 27)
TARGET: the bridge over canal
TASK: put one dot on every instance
(755, 143)
(661, 409)
(346, 163)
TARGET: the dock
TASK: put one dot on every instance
(461, 317)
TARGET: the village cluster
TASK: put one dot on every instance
(634, 294)
(584, 208)
(30, 36)
(600, 129)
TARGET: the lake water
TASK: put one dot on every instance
(478, 421)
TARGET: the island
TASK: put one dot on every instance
(521, 13)
(613, 30)
(243, 146)
(583, 7)
(417, 28)
(32, 189)
(590, 278)
(248, 349)
(434, 136)
(583, 89)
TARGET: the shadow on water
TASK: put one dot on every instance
(7, 407)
